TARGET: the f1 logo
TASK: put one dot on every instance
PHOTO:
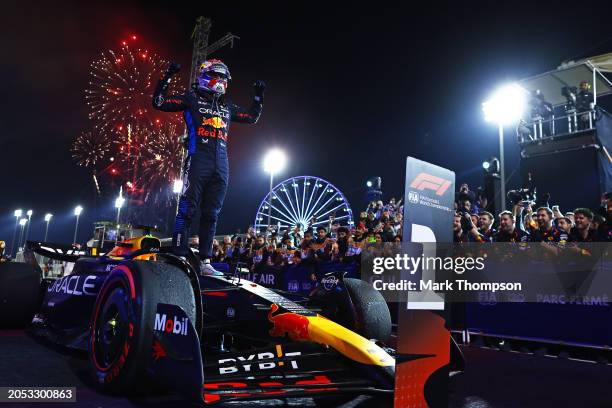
(424, 181)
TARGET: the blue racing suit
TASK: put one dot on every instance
(206, 172)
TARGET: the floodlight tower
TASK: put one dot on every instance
(505, 106)
(274, 162)
(200, 35)
(201, 49)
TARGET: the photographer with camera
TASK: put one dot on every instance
(570, 104)
(541, 112)
(585, 103)
(464, 194)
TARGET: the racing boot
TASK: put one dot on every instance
(207, 269)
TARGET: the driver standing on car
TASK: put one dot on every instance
(208, 116)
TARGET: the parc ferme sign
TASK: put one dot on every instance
(423, 340)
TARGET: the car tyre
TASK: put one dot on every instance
(371, 317)
(121, 336)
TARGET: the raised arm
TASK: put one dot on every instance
(161, 100)
(252, 114)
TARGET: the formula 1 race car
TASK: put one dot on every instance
(145, 315)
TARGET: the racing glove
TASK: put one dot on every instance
(162, 86)
(260, 87)
(173, 68)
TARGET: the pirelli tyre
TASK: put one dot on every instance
(370, 316)
(20, 286)
(123, 318)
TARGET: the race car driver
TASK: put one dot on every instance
(208, 116)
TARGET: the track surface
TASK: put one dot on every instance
(493, 379)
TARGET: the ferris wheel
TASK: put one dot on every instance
(304, 200)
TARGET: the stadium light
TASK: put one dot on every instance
(77, 211)
(505, 106)
(119, 201)
(27, 231)
(22, 222)
(273, 162)
(48, 217)
(177, 186)
(17, 214)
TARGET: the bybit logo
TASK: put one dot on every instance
(261, 361)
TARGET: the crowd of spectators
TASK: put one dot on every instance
(528, 222)
(318, 242)
(382, 222)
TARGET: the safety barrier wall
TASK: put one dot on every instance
(587, 323)
(581, 324)
(299, 279)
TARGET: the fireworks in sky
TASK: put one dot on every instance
(143, 145)
(162, 157)
(121, 88)
(89, 148)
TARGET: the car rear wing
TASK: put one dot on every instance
(60, 252)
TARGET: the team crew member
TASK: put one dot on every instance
(604, 232)
(208, 116)
(582, 231)
(458, 234)
(564, 224)
(486, 226)
(464, 229)
(508, 231)
(545, 231)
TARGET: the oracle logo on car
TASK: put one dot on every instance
(424, 181)
(76, 285)
(171, 326)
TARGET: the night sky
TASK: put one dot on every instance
(351, 91)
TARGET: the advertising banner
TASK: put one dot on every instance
(423, 343)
